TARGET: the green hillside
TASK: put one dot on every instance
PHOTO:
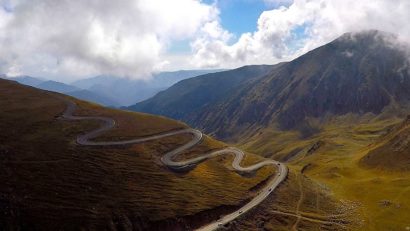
(50, 182)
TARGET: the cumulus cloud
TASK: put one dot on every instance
(288, 31)
(277, 2)
(68, 39)
(79, 38)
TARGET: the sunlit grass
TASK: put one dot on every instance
(382, 193)
(56, 181)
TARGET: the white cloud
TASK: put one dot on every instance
(60, 38)
(73, 39)
(278, 2)
(348, 53)
(278, 36)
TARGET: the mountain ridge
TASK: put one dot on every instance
(193, 94)
(130, 91)
(356, 73)
(111, 91)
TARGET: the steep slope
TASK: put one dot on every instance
(49, 182)
(186, 99)
(129, 91)
(391, 151)
(357, 73)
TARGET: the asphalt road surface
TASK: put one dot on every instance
(168, 157)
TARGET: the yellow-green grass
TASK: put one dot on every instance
(279, 211)
(391, 151)
(49, 181)
(382, 194)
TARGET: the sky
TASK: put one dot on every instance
(67, 40)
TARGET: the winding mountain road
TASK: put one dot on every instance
(168, 161)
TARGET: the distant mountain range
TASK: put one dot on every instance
(357, 73)
(110, 90)
(56, 86)
(65, 89)
(129, 91)
(184, 100)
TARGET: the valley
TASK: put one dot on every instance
(352, 145)
(167, 159)
(54, 175)
(205, 115)
(337, 159)
(137, 191)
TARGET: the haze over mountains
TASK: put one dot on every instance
(50, 85)
(129, 91)
(188, 97)
(111, 90)
(357, 73)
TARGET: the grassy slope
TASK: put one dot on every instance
(383, 194)
(49, 181)
(391, 151)
(314, 201)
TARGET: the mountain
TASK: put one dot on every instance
(335, 115)
(93, 97)
(56, 86)
(50, 182)
(357, 73)
(27, 80)
(129, 91)
(111, 90)
(186, 99)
